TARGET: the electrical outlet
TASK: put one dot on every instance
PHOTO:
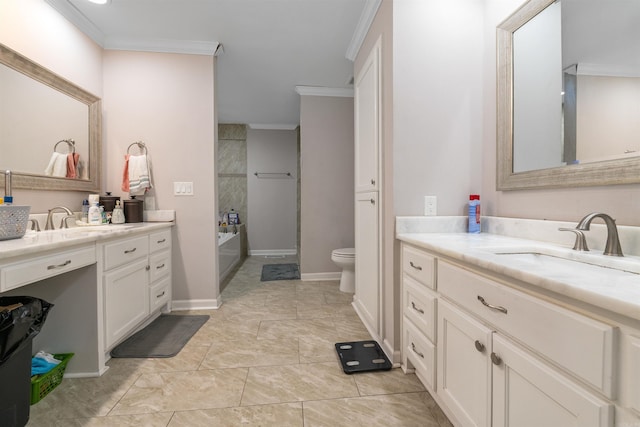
(430, 205)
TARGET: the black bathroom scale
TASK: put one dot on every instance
(362, 356)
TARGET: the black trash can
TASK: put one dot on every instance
(21, 319)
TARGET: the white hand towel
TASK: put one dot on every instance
(139, 175)
(57, 165)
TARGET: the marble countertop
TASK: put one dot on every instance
(607, 282)
(34, 242)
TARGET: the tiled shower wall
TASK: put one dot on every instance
(232, 169)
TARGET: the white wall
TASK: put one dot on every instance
(437, 94)
(167, 101)
(272, 202)
(327, 181)
(35, 30)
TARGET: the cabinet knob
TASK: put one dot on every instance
(373, 181)
(148, 267)
(496, 359)
(479, 346)
(373, 201)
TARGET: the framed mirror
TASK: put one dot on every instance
(44, 121)
(567, 92)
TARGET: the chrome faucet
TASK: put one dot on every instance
(63, 224)
(612, 246)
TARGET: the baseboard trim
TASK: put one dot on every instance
(333, 275)
(277, 252)
(195, 304)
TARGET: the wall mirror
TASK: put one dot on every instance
(43, 119)
(568, 94)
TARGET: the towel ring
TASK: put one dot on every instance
(141, 146)
(70, 143)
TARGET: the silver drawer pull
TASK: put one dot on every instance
(161, 241)
(491, 306)
(158, 267)
(161, 295)
(413, 347)
(64, 264)
(417, 267)
(419, 310)
(130, 251)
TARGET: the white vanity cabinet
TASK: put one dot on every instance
(136, 282)
(503, 357)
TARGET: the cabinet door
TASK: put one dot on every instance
(464, 366)
(367, 296)
(367, 117)
(529, 393)
(126, 299)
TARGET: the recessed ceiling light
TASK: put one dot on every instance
(100, 1)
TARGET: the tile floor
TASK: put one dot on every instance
(265, 358)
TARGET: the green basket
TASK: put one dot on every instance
(41, 385)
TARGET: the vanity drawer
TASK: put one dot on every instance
(419, 306)
(159, 241)
(419, 265)
(421, 353)
(124, 251)
(22, 273)
(159, 294)
(159, 265)
(577, 343)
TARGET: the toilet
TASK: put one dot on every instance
(345, 258)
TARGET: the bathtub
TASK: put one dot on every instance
(228, 253)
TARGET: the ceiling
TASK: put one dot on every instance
(268, 46)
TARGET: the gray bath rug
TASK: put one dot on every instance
(279, 272)
(164, 337)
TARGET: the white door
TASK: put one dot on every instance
(527, 393)
(367, 296)
(367, 116)
(464, 366)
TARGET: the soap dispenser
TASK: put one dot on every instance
(95, 217)
(117, 216)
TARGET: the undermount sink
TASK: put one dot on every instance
(564, 258)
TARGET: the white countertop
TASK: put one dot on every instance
(607, 288)
(34, 242)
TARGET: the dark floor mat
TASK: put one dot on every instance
(279, 272)
(362, 356)
(164, 337)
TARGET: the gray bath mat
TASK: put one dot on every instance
(279, 272)
(164, 337)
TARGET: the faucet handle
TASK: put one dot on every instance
(581, 241)
(64, 223)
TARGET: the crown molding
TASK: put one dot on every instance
(260, 126)
(364, 23)
(193, 47)
(324, 91)
(77, 18)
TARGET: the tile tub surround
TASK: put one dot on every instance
(447, 236)
(266, 357)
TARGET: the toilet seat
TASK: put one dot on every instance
(344, 253)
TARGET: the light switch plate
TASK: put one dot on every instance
(183, 188)
(430, 205)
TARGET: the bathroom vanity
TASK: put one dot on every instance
(105, 282)
(512, 331)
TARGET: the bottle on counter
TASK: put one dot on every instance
(85, 211)
(474, 213)
(94, 215)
